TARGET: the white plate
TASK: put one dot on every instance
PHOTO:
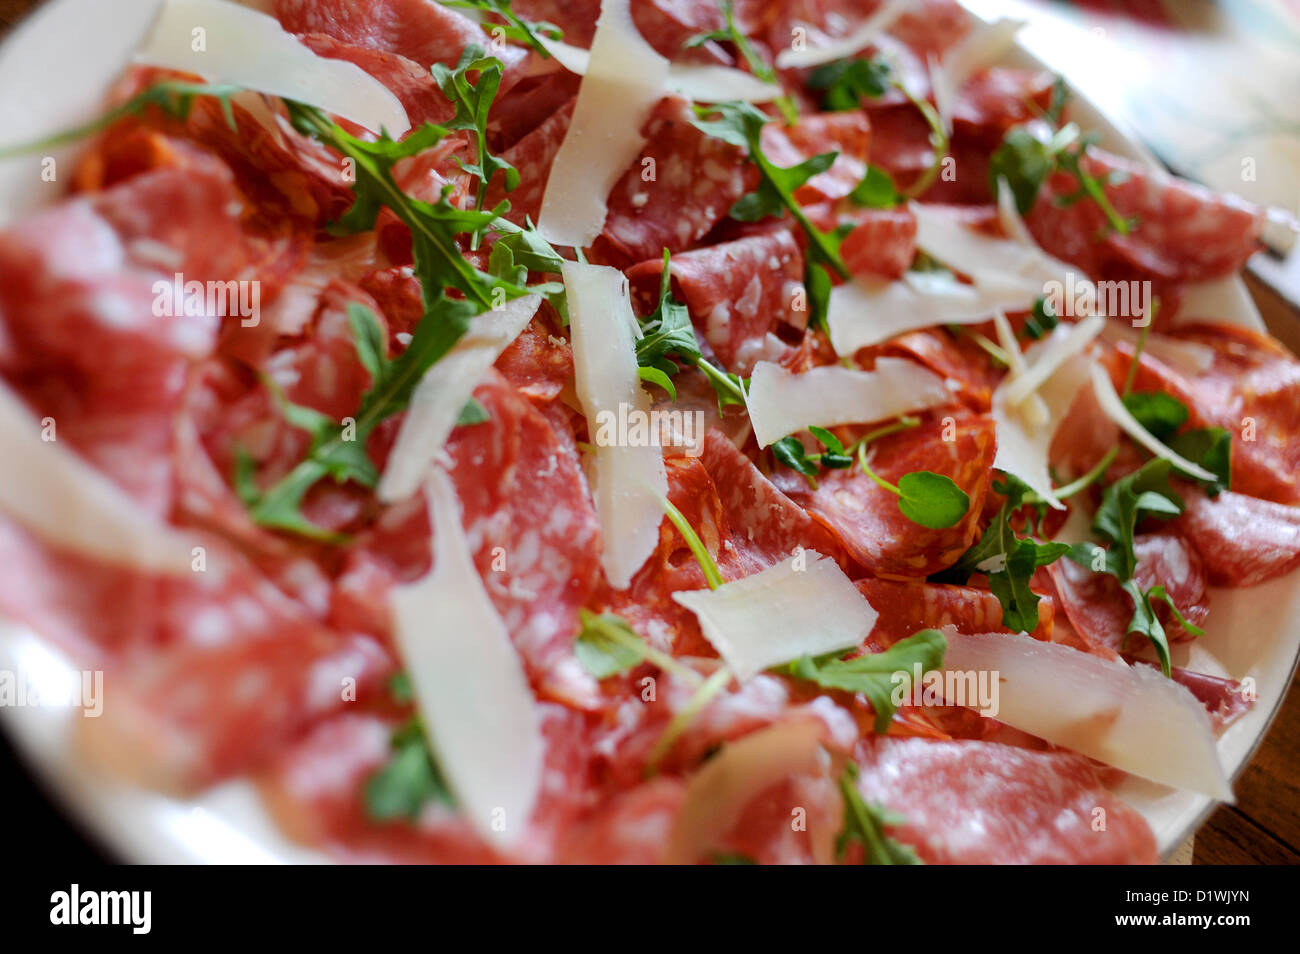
(53, 71)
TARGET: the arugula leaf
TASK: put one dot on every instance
(928, 499)
(731, 33)
(731, 858)
(472, 102)
(407, 781)
(473, 413)
(607, 645)
(1007, 560)
(1211, 447)
(174, 98)
(876, 190)
(1125, 502)
(790, 451)
(872, 674)
(844, 84)
(1042, 318)
(1026, 161)
(741, 124)
(866, 824)
(1161, 414)
(516, 27)
(668, 331)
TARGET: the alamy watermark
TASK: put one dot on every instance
(632, 427)
(972, 688)
(82, 690)
(233, 299)
(1078, 296)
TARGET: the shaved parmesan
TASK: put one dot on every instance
(1114, 409)
(739, 773)
(781, 403)
(803, 606)
(861, 38)
(629, 480)
(1130, 717)
(1033, 409)
(1023, 439)
(865, 312)
(624, 79)
(226, 43)
(1058, 350)
(1016, 271)
(705, 83)
(478, 710)
(985, 45)
(69, 504)
(442, 392)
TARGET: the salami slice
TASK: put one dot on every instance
(538, 363)
(987, 803)
(1242, 540)
(846, 133)
(1184, 233)
(907, 608)
(1100, 611)
(532, 156)
(410, 82)
(882, 243)
(866, 518)
(683, 183)
(426, 33)
(737, 292)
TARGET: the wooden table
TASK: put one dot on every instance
(1264, 826)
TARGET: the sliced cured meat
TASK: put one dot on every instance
(882, 243)
(957, 358)
(410, 82)
(970, 802)
(994, 100)
(737, 292)
(315, 789)
(538, 363)
(845, 133)
(1100, 611)
(668, 25)
(907, 608)
(930, 27)
(527, 105)
(1185, 233)
(577, 18)
(532, 156)
(419, 30)
(85, 294)
(1242, 540)
(683, 183)
(767, 525)
(632, 828)
(866, 518)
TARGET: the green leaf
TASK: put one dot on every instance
(516, 27)
(1125, 502)
(731, 858)
(817, 282)
(1146, 623)
(1042, 319)
(876, 190)
(407, 781)
(372, 347)
(473, 102)
(607, 645)
(790, 452)
(873, 674)
(932, 500)
(1007, 560)
(1161, 414)
(731, 33)
(843, 84)
(659, 377)
(473, 413)
(866, 825)
(741, 124)
(1211, 447)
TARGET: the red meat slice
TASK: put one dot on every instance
(882, 243)
(906, 608)
(538, 363)
(737, 292)
(972, 802)
(866, 518)
(1100, 611)
(410, 82)
(846, 133)
(1242, 540)
(672, 202)
(420, 30)
(1185, 233)
(532, 156)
